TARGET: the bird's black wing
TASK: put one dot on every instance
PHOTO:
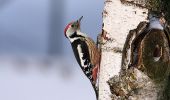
(82, 55)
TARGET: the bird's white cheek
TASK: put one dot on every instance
(70, 32)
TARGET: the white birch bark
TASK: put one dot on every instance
(118, 20)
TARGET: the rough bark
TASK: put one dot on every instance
(121, 24)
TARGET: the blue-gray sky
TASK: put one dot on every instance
(24, 24)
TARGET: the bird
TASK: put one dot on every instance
(86, 52)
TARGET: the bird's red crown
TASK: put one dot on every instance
(66, 28)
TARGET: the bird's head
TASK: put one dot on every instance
(72, 27)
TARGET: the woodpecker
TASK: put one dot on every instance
(85, 50)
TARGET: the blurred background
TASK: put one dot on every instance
(36, 60)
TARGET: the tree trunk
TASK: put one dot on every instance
(116, 81)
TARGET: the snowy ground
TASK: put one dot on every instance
(118, 19)
(31, 78)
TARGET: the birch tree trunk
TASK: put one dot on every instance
(118, 20)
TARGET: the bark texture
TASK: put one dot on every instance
(118, 20)
(122, 23)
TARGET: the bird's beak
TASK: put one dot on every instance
(79, 21)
